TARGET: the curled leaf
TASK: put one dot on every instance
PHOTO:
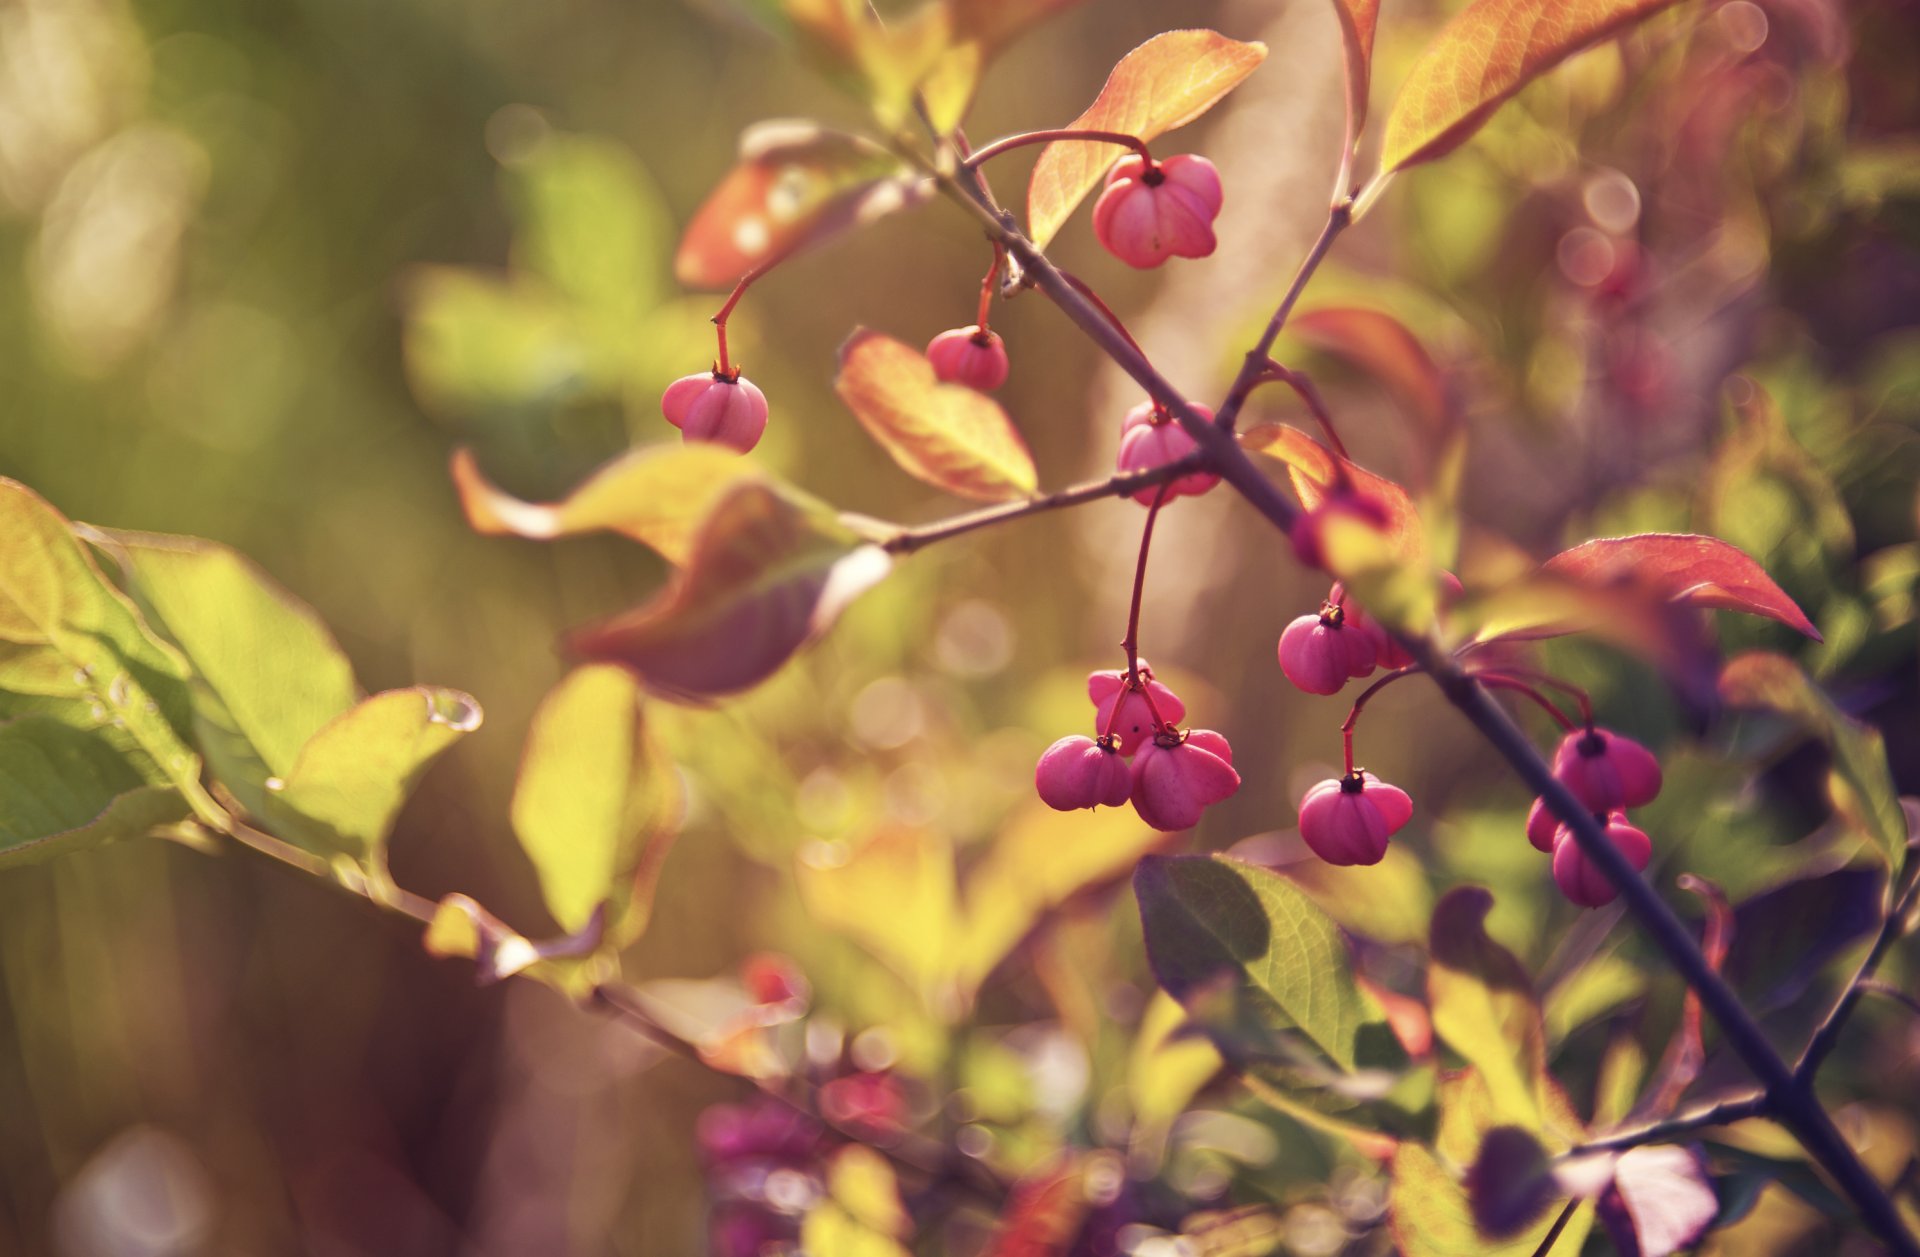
(945, 434)
(766, 575)
(796, 185)
(1165, 83)
(1357, 19)
(1482, 57)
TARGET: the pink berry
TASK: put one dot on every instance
(1135, 723)
(1542, 825)
(1149, 438)
(1175, 779)
(1078, 772)
(1347, 820)
(969, 356)
(1579, 879)
(1606, 771)
(709, 406)
(1149, 213)
(1320, 653)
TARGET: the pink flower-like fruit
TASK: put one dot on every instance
(1606, 771)
(1150, 438)
(708, 406)
(1150, 212)
(1134, 724)
(1320, 653)
(969, 356)
(1542, 825)
(1347, 820)
(1078, 772)
(1579, 879)
(1177, 779)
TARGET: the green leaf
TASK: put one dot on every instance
(767, 573)
(74, 648)
(895, 895)
(62, 789)
(596, 803)
(948, 435)
(351, 777)
(1219, 929)
(1484, 1007)
(1859, 781)
(268, 675)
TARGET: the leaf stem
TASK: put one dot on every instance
(1011, 142)
(1360, 703)
(1719, 1113)
(1131, 643)
(1827, 1036)
(1552, 1236)
(907, 540)
(1316, 404)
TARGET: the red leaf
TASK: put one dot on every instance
(1165, 83)
(1357, 18)
(1318, 472)
(1693, 570)
(1380, 345)
(797, 184)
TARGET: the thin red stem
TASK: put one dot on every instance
(1132, 643)
(1081, 288)
(725, 367)
(1552, 682)
(987, 285)
(1360, 703)
(1499, 681)
(1316, 405)
(1012, 142)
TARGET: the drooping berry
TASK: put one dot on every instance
(1078, 772)
(1149, 438)
(1579, 879)
(1151, 211)
(1542, 825)
(1134, 724)
(1320, 653)
(1606, 771)
(1176, 779)
(1347, 820)
(969, 356)
(710, 406)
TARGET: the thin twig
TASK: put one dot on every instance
(907, 540)
(1827, 1036)
(1261, 355)
(1559, 1224)
(1719, 1113)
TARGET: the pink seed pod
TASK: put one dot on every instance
(1320, 653)
(1134, 724)
(1150, 438)
(1078, 772)
(1151, 212)
(1386, 651)
(1347, 820)
(1606, 771)
(969, 356)
(1175, 779)
(708, 406)
(1542, 825)
(1579, 879)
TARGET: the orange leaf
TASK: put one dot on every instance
(1486, 54)
(1380, 345)
(1692, 570)
(1317, 472)
(766, 575)
(797, 184)
(1357, 19)
(657, 495)
(945, 434)
(1165, 83)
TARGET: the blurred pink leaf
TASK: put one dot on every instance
(1668, 1196)
(1684, 568)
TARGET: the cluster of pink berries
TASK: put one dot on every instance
(1608, 774)
(1174, 775)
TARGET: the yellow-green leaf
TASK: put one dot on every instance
(1165, 83)
(1491, 50)
(948, 435)
(1484, 1007)
(62, 789)
(894, 894)
(596, 803)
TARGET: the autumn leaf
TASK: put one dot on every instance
(1380, 345)
(766, 574)
(945, 434)
(1357, 19)
(1683, 568)
(1165, 83)
(1485, 55)
(797, 184)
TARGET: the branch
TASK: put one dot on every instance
(907, 540)
(1720, 1113)
(1260, 357)
(1827, 1036)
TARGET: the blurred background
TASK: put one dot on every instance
(263, 266)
